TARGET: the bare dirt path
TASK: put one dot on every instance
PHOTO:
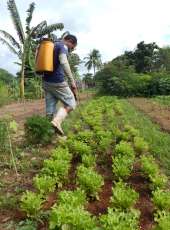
(158, 114)
(20, 111)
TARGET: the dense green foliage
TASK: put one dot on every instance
(38, 130)
(143, 72)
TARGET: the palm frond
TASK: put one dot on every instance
(10, 47)
(37, 29)
(11, 39)
(16, 19)
(18, 63)
(49, 29)
(29, 16)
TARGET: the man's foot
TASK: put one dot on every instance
(57, 127)
(49, 117)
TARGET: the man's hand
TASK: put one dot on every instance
(74, 90)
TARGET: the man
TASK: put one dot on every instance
(55, 86)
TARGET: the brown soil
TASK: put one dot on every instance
(144, 204)
(159, 114)
(104, 168)
(19, 111)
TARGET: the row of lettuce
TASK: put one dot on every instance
(97, 134)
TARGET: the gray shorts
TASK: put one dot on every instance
(55, 92)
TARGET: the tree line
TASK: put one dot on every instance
(144, 71)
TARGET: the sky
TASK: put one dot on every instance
(111, 26)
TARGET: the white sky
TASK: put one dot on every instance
(111, 26)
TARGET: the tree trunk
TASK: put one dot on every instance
(22, 78)
(94, 75)
(94, 70)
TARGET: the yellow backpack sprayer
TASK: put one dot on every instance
(44, 57)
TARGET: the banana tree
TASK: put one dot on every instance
(24, 47)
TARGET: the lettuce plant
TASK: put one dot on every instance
(45, 183)
(89, 181)
(122, 166)
(74, 198)
(159, 180)
(124, 149)
(140, 145)
(66, 216)
(79, 148)
(56, 168)
(163, 220)
(149, 166)
(120, 220)
(123, 196)
(31, 203)
(61, 154)
(89, 160)
(161, 199)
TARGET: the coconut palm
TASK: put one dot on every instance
(24, 47)
(93, 60)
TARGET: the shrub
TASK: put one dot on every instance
(120, 220)
(3, 136)
(89, 181)
(123, 196)
(38, 130)
(4, 94)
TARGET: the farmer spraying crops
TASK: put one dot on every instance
(55, 86)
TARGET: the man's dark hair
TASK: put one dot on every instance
(72, 38)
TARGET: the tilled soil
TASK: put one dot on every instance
(158, 114)
(21, 110)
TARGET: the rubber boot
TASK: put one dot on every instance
(58, 119)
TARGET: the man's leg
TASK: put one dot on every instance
(51, 102)
(66, 96)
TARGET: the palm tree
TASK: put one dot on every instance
(24, 47)
(93, 60)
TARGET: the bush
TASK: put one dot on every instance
(3, 136)
(38, 130)
(121, 80)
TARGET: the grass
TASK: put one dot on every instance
(158, 140)
(162, 100)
